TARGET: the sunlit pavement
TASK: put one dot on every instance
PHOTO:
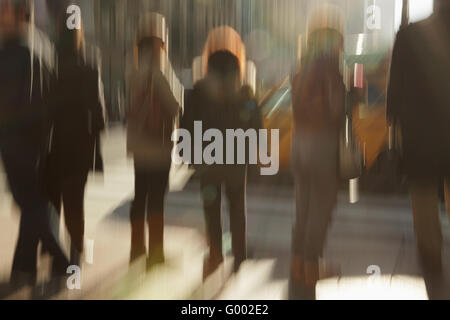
(376, 232)
(372, 288)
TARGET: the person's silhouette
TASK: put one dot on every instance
(418, 103)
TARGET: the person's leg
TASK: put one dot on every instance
(155, 215)
(24, 267)
(322, 202)
(323, 188)
(73, 189)
(301, 162)
(302, 195)
(137, 214)
(50, 239)
(425, 205)
(211, 195)
(54, 192)
(297, 270)
(35, 227)
(236, 194)
(22, 174)
(53, 186)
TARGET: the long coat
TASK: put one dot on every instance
(75, 122)
(151, 118)
(238, 111)
(419, 95)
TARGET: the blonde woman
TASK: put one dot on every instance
(151, 117)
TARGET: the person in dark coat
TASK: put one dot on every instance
(23, 110)
(418, 103)
(220, 102)
(76, 121)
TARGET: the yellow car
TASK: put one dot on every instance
(276, 110)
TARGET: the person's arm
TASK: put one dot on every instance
(41, 112)
(336, 91)
(394, 91)
(165, 95)
(97, 106)
(251, 105)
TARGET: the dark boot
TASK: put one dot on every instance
(137, 241)
(212, 263)
(296, 286)
(155, 257)
(75, 256)
(155, 240)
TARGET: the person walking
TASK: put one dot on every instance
(418, 104)
(318, 110)
(221, 101)
(76, 121)
(23, 113)
(151, 119)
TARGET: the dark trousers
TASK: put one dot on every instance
(36, 222)
(427, 225)
(148, 206)
(235, 181)
(69, 193)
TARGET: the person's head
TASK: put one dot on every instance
(225, 42)
(149, 50)
(151, 39)
(13, 18)
(325, 43)
(70, 42)
(325, 29)
(224, 66)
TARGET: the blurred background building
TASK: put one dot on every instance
(271, 29)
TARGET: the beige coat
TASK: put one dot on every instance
(148, 150)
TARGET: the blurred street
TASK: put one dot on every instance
(377, 231)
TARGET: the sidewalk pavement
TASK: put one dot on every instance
(108, 276)
(377, 231)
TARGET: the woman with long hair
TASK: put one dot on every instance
(318, 108)
(151, 117)
(76, 120)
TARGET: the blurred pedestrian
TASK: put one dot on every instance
(318, 108)
(419, 104)
(76, 121)
(23, 111)
(151, 120)
(221, 102)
